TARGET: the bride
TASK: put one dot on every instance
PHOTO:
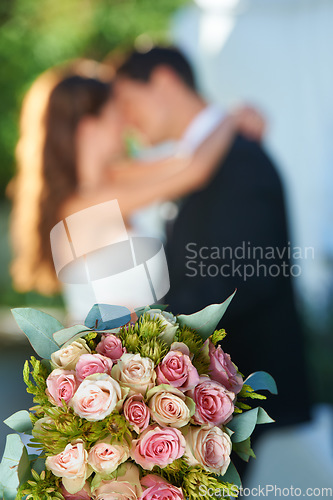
(71, 155)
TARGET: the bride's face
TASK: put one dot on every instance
(110, 130)
(99, 141)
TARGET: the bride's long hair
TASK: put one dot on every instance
(46, 164)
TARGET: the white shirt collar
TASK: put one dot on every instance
(200, 128)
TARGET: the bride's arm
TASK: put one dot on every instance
(202, 163)
(140, 184)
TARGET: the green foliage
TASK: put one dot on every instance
(217, 336)
(248, 392)
(39, 375)
(143, 338)
(195, 343)
(243, 449)
(197, 477)
(43, 487)
(90, 339)
(64, 427)
(174, 472)
(35, 35)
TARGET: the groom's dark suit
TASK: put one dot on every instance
(243, 207)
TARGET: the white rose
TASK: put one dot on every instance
(125, 486)
(97, 397)
(105, 457)
(135, 372)
(67, 357)
(169, 406)
(71, 465)
(169, 321)
(209, 447)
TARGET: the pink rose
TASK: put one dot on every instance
(111, 347)
(97, 397)
(137, 412)
(84, 494)
(89, 364)
(209, 447)
(223, 370)
(213, 402)
(177, 370)
(159, 488)
(158, 446)
(61, 385)
(71, 466)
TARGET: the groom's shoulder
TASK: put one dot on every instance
(247, 162)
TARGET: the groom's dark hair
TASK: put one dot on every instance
(140, 65)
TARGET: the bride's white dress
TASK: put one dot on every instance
(105, 263)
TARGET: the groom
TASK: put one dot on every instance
(230, 234)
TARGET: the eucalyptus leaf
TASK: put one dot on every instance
(206, 320)
(243, 425)
(19, 421)
(14, 467)
(70, 334)
(231, 476)
(260, 381)
(141, 310)
(38, 465)
(39, 327)
(106, 317)
(244, 450)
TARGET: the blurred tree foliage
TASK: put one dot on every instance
(36, 34)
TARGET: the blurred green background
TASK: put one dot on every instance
(37, 34)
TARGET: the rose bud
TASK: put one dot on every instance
(111, 347)
(223, 370)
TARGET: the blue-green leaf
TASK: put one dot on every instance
(14, 467)
(141, 310)
(244, 450)
(70, 334)
(243, 425)
(39, 327)
(231, 476)
(260, 381)
(19, 421)
(38, 465)
(206, 320)
(106, 317)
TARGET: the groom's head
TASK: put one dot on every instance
(156, 90)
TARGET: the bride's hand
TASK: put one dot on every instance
(250, 122)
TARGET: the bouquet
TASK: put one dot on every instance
(151, 409)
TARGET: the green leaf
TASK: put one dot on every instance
(14, 467)
(243, 425)
(19, 421)
(260, 381)
(70, 334)
(141, 310)
(206, 320)
(39, 327)
(231, 476)
(244, 450)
